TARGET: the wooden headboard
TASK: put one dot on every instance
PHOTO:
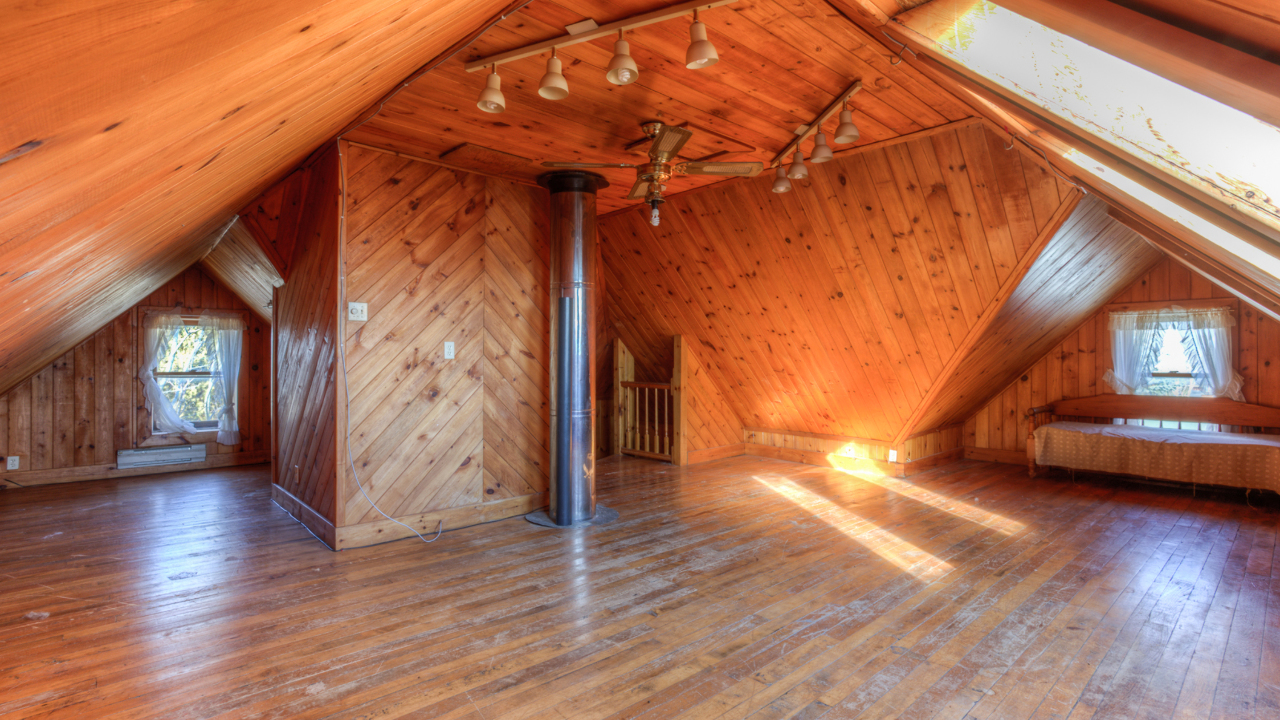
(1185, 409)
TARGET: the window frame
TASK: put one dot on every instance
(205, 434)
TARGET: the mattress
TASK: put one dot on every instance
(1183, 455)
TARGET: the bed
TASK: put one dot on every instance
(1078, 434)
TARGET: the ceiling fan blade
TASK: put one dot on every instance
(586, 165)
(639, 190)
(668, 142)
(725, 169)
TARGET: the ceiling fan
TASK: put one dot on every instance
(651, 177)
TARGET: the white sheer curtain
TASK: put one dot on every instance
(226, 370)
(1206, 335)
(1135, 348)
(155, 337)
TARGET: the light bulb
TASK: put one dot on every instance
(797, 170)
(780, 183)
(491, 100)
(847, 132)
(821, 151)
(622, 67)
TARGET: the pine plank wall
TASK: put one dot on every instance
(1075, 367)
(67, 421)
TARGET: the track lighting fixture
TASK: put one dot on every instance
(701, 53)
(797, 169)
(622, 68)
(847, 132)
(821, 151)
(780, 182)
(553, 86)
(491, 100)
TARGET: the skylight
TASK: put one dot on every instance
(1200, 141)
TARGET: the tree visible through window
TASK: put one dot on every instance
(185, 372)
(1172, 375)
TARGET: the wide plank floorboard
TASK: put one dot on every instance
(743, 588)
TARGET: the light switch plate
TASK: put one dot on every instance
(448, 351)
(358, 312)
(12, 462)
(893, 456)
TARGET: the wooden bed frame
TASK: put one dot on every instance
(1247, 418)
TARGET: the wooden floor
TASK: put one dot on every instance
(742, 588)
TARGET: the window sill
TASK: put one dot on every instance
(197, 438)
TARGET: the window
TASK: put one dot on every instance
(185, 374)
(1174, 351)
(1172, 374)
(190, 371)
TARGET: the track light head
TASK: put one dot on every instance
(821, 151)
(553, 86)
(780, 182)
(797, 170)
(847, 132)
(622, 68)
(491, 100)
(701, 53)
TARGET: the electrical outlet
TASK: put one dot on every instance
(12, 462)
(448, 351)
(358, 312)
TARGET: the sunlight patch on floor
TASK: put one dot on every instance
(893, 548)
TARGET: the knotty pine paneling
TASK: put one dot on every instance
(1075, 366)
(709, 421)
(1088, 260)
(782, 63)
(132, 133)
(831, 309)
(240, 263)
(442, 255)
(67, 421)
(306, 325)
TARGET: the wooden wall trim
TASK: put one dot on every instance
(28, 478)
(372, 533)
(716, 453)
(1012, 457)
(318, 524)
(892, 469)
(989, 314)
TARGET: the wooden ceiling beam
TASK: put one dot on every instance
(631, 23)
(1231, 77)
(1252, 293)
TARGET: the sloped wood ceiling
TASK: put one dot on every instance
(132, 130)
(782, 62)
(1091, 259)
(834, 308)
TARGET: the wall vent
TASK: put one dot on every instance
(167, 455)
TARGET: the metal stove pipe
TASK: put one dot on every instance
(573, 340)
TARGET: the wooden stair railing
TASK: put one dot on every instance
(647, 427)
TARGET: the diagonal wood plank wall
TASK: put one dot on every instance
(834, 308)
(441, 255)
(1074, 367)
(66, 422)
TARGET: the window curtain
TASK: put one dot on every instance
(155, 337)
(1206, 334)
(226, 371)
(1206, 337)
(1135, 348)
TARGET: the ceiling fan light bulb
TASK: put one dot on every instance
(622, 67)
(701, 53)
(780, 182)
(553, 86)
(797, 169)
(821, 151)
(847, 132)
(491, 100)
